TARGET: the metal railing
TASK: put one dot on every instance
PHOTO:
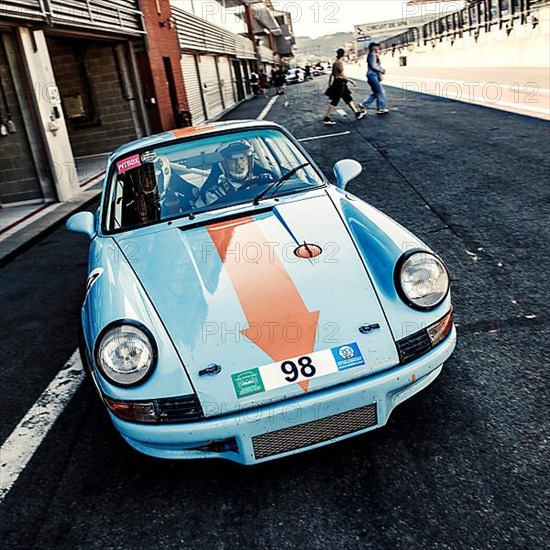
(113, 16)
(476, 16)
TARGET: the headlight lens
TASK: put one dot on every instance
(126, 355)
(424, 280)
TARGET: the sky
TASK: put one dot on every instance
(320, 17)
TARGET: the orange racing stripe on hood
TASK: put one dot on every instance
(279, 322)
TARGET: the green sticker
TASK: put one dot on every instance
(247, 383)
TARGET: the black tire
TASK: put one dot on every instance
(83, 354)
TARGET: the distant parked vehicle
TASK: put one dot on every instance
(295, 76)
(318, 70)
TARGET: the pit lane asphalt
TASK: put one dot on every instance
(462, 465)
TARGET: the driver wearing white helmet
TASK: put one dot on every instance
(238, 171)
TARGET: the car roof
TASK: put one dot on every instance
(173, 135)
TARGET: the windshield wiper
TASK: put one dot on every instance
(276, 184)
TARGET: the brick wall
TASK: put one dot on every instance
(18, 179)
(163, 42)
(89, 68)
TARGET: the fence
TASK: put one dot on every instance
(483, 14)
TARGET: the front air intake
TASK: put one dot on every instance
(311, 433)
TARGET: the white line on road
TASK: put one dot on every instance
(267, 108)
(326, 136)
(27, 436)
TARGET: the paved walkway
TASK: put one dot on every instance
(519, 90)
(21, 225)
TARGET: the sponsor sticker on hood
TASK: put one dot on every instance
(348, 356)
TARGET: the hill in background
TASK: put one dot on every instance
(320, 49)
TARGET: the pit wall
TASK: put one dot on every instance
(518, 46)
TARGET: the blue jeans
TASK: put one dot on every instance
(377, 91)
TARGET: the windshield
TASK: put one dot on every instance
(203, 174)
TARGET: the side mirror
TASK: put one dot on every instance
(345, 170)
(82, 222)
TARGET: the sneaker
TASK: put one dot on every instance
(359, 115)
(328, 121)
(382, 111)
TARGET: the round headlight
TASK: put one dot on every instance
(422, 280)
(126, 355)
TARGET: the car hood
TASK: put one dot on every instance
(235, 298)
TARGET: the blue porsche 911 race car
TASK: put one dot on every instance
(240, 306)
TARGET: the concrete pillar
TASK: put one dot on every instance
(50, 119)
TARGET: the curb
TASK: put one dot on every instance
(15, 244)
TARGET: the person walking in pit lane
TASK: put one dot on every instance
(374, 77)
(264, 83)
(338, 89)
(254, 84)
(278, 80)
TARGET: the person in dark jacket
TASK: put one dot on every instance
(278, 79)
(264, 83)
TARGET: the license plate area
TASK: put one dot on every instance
(297, 370)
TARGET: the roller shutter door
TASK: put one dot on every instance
(210, 85)
(227, 81)
(192, 88)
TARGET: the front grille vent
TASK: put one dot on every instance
(311, 433)
(178, 409)
(413, 346)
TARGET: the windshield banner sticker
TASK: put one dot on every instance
(128, 163)
(149, 156)
(297, 370)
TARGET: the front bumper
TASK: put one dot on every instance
(296, 424)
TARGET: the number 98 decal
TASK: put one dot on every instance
(299, 370)
(305, 367)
